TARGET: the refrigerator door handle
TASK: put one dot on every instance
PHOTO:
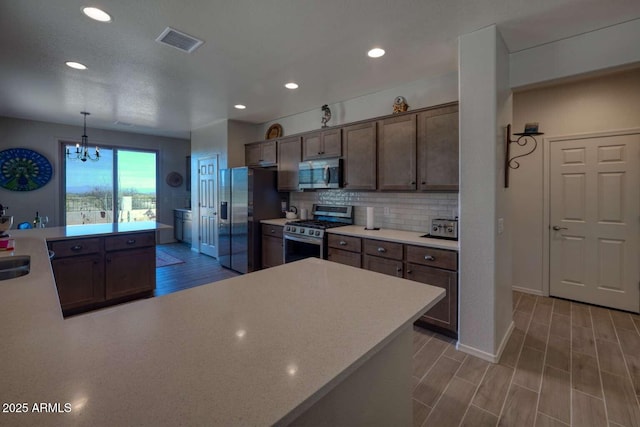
(224, 213)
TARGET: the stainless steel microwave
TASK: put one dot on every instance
(320, 174)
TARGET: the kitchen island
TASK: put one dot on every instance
(306, 342)
(97, 265)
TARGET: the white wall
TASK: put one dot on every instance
(484, 104)
(587, 105)
(422, 93)
(44, 138)
(609, 47)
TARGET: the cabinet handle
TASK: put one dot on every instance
(342, 243)
(273, 231)
(413, 183)
(108, 259)
(409, 271)
(76, 248)
(423, 182)
(131, 241)
(382, 250)
(398, 269)
(429, 258)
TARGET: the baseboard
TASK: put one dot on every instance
(528, 291)
(493, 358)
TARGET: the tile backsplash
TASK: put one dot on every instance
(399, 211)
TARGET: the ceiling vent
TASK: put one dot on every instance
(179, 40)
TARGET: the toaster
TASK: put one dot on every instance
(444, 228)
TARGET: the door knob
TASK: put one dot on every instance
(556, 228)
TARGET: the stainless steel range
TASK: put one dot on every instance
(304, 239)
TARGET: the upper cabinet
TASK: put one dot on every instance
(360, 156)
(416, 150)
(289, 155)
(438, 144)
(397, 153)
(322, 144)
(261, 154)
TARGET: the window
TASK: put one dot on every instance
(120, 187)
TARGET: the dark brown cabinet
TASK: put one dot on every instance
(383, 257)
(436, 267)
(345, 250)
(360, 156)
(322, 145)
(289, 157)
(261, 154)
(99, 271)
(397, 153)
(438, 149)
(272, 251)
(130, 262)
(80, 280)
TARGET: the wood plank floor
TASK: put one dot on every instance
(566, 364)
(196, 270)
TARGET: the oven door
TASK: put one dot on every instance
(299, 247)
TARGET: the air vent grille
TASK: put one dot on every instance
(179, 40)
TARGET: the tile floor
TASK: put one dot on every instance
(566, 364)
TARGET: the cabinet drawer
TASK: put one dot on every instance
(272, 230)
(129, 241)
(65, 248)
(382, 265)
(383, 249)
(432, 257)
(186, 216)
(347, 243)
(345, 257)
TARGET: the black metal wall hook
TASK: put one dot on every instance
(522, 140)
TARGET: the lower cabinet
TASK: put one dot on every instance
(436, 267)
(445, 313)
(272, 251)
(345, 250)
(130, 272)
(95, 272)
(80, 280)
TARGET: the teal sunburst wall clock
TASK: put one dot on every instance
(22, 169)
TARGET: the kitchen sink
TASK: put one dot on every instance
(15, 266)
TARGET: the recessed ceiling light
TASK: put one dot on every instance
(76, 65)
(97, 14)
(291, 85)
(376, 52)
(240, 106)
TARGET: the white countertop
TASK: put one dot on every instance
(400, 236)
(277, 221)
(88, 230)
(251, 350)
(409, 237)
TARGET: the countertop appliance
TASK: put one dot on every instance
(246, 197)
(443, 229)
(317, 174)
(304, 239)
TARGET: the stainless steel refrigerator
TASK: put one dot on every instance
(246, 197)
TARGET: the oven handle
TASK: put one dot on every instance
(301, 239)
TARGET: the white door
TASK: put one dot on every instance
(207, 203)
(594, 200)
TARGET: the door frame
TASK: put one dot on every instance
(546, 185)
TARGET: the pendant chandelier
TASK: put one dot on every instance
(82, 149)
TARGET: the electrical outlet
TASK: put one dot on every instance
(500, 225)
(387, 211)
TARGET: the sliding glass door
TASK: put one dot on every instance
(120, 187)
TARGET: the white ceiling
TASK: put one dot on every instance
(252, 47)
